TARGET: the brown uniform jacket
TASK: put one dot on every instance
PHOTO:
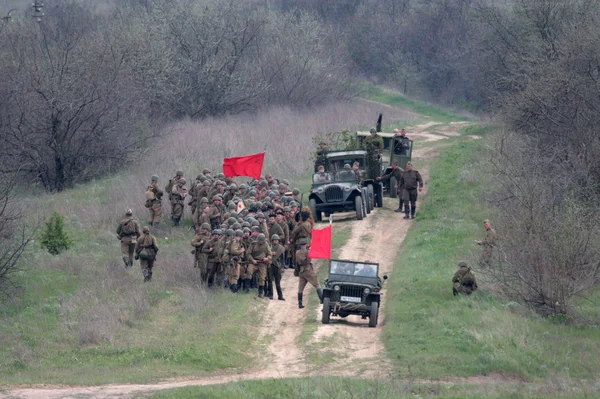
(490, 238)
(410, 180)
(275, 228)
(212, 255)
(286, 231)
(278, 256)
(146, 241)
(302, 230)
(302, 259)
(464, 276)
(397, 173)
(258, 251)
(137, 230)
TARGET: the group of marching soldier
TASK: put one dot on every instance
(246, 235)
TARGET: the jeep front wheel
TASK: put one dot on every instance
(374, 314)
(326, 311)
(371, 197)
(358, 206)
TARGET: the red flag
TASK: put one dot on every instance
(249, 165)
(320, 246)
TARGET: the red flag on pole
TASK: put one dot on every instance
(320, 246)
(249, 165)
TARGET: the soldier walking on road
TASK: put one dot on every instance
(128, 231)
(277, 267)
(305, 271)
(259, 254)
(395, 172)
(463, 281)
(410, 181)
(154, 202)
(236, 252)
(146, 251)
(488, 244)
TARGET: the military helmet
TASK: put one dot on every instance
(179, 172)
(239, 233)
(233, 186)
(294, 204)
(347, 166)
(200, 176)
(205, 170)
(281, 186)
(287, 209)
(264, 183)
(245, 224)
(296, 191)
(220, 176)
(261, 237)
(258, 204)
(129, 212)
(206, 182)
(216, 232)
(252, 193)
(154, 178)
(230, 232)
(204, 200)
(237, 226)
(216, 197)
(231, 221)
(243, 186)
(272, 194)
(462, 263)
(373, 130)
(284, 181)
(231, 206)
(181, 181)
(254, 228)
(205, 226)
(285, 199)
(219, 183)
(275, 237)
(146, 230)
(260, 215)
(246, 230)
(256, 223)
(302, 241)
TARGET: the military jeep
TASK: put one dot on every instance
(352, 288)
(340, 190)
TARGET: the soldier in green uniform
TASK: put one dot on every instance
(211, 250)
(463, 281)
(236, 252)
(154, 202)
(259, 255)
(128, 231)
(305, 271)
(488, 244)
(277, 267)
(146, 250)
(200, 259)
(409, 182)
(395, 172)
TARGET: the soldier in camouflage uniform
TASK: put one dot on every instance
(200, 259)
(259, 255)
(154, 202)
(128, 231)
(305, 271)
(146, 250)
(463, 281)
(488, 244)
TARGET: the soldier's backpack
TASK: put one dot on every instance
(169, 187)
(150, 194)
(468, 279)
(128, 227)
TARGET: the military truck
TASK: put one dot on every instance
(339, 190)
(352, 288)
(395, 149)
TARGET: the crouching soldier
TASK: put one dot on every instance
(463, 281)
(146, 251)
(306, 272)
(259, 255)
(277, 267)
(128, 232)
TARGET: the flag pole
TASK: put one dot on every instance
(331, 225)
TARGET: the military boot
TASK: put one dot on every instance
(247, 283)
(279, 292)
(320, 294)
(406, 213)
(261, 291)
(270, 290)
(300, 305)
(413, 211)
(234, 288)
(149, 275)
(150, 224)
(211, 281)
(126, 261)
(156, 225)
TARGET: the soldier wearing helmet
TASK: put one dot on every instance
(210, 248)
(154, 202)
(171, 184)
(128, 232)
(146, 250)
(259, 256)
(276, 267)
(202, 212)
(178, 195)
(200, 258)
(463, 281)
(235, 252)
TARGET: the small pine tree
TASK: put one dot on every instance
(54, 238)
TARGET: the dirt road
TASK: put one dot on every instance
(358, 349)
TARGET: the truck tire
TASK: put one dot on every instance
(326, 311)
(358, 206)
(374, 314)
(365, 198)
(371, 197)
(313, 209)
(379, 196)
(393, 183)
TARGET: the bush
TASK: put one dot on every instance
(54, 238)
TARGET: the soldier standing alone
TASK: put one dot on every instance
(305, 271)
(488, 244)
(128, 231)
(154, 202)
(409, 182)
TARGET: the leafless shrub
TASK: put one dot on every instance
(548, 250)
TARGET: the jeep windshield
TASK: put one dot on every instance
(350, 268)
(347, 175)
(322, 178)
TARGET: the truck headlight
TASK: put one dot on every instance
(346, 188)
(336, 287)
(320, 190)
(367, 291)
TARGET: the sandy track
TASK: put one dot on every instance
(358, 349)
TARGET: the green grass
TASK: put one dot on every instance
(342, 388)
(430, 334)
(432, 111)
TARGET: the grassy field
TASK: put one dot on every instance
(431, 334)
